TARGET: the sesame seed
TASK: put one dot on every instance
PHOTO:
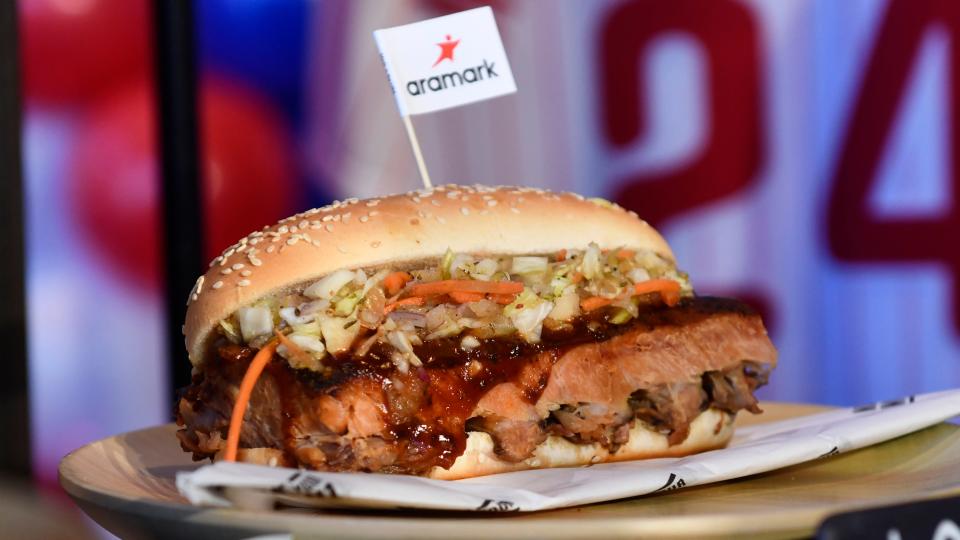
(435, 202)
(228, 253)
(254, 241)
(337, 217)
(294, 229)
(226, 271)
(283, 230)
(237, 266)
(416, 200)
(374, 213)
(315, 243)
(373, 203)
(327, 217)
(217, 285)
(246, 273)
(341, 249)
(243, 283)
(464, 210)
(271, 249)
(292, 241)
(256, 262)
(364, 219)
(303, 224)
(329, 227)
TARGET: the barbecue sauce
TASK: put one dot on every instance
(454, 379)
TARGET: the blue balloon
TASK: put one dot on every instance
(260, 42)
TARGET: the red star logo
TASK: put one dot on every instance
(446, 50)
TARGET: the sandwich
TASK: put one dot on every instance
(462, 331)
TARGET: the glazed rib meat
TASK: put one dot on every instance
(586, 382)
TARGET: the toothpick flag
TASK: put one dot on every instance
(444, 62)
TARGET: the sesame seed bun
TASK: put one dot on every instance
(400, 229)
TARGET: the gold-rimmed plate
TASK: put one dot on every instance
(126, 483)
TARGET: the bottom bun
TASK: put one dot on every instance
(710, 430)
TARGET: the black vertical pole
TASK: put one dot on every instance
(15, 450)
(176, 83)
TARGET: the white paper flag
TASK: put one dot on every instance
(755, 449)
(445, 62)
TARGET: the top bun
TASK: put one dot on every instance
(399, 229)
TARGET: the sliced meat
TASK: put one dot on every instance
(645, 357)
(732, 389)
(670, 407)
(587, 385)
(513, 440)
(592, 422)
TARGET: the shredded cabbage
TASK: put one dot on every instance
(329, 286)
(338, 333)
(290, 316)
(529, 320)
(566, 306)
(327, 316)
(591, 265)
(528, 265)
(254, 321)
(445, 264)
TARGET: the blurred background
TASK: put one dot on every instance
(796, 153)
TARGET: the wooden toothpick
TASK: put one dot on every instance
(424, 175)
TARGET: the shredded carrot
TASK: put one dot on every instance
(395, 281)
(562, 255)
(502, 299)
(625, 253)
(260, 361)
(669, 290)
(462, 297)
(412, 301)
(670, 298)
(577, 278)
(466, 285)
(594, 302)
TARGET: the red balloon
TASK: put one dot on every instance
(247, 168)
(249, 177)
(74, 49)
